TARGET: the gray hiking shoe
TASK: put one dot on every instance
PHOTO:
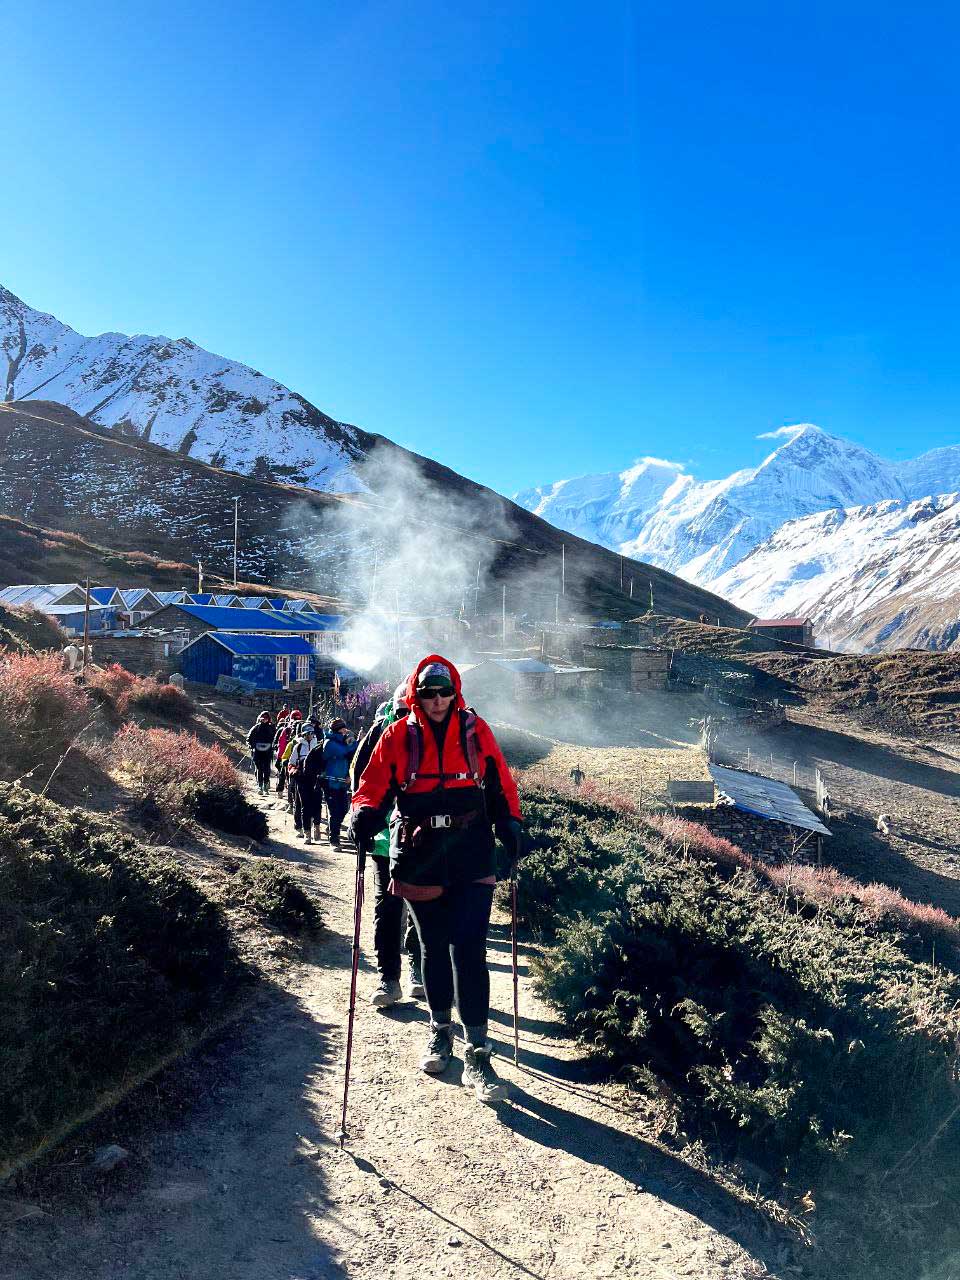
(386, 994)
(439, 1050)
(479, 1075)
(415, 989)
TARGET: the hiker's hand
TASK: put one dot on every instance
(365, 825)
(510, 834)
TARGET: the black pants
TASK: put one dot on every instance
(262, 760)
(388, 925)
(453, 941)
(338, 802)
(281, 776)
(305, 802)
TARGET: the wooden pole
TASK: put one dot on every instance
(86, 629)
(236, 532)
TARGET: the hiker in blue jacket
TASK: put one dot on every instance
(338, 749)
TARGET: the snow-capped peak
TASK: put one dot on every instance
(174, 393)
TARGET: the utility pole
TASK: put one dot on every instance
(504, 618)
(236, 530)
(563, 568)
(631, 588)
(621, 575)
(476, 594)
(86, 629)
(557, 605)
(199, 577)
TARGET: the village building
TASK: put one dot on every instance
(793, 630)
(39, 595)
(763, 816)
(525, 679)
(636, 668)
(136, 603)
(194, 620)
(260, 662)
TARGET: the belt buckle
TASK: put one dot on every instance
(441, 820)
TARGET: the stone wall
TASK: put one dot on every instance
(771, 842)
(143, 655)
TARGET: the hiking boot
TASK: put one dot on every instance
(415, 989)
(479, 1075)
(386, 994)
(439, 1050)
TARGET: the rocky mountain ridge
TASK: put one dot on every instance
(176, 394)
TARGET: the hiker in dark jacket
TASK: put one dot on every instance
(443, 769)
(338, 749)
(392, 923)
(260, 742)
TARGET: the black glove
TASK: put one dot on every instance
(510, 834)
(365, 826)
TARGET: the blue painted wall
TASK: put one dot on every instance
(206, 660)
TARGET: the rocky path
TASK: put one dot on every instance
(558, 1183)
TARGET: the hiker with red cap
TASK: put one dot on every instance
(442, 768)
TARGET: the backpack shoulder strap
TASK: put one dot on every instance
(468, 740)
(414, 750)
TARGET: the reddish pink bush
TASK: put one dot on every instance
(124, 692)
(41, 707)
(162, 758)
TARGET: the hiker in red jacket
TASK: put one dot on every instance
(442, 768)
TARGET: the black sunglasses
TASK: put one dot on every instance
(436, 693)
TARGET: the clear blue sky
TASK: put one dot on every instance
(528, 239)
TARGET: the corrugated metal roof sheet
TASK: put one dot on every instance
(292, 645)
(779, 622)
(766, 798)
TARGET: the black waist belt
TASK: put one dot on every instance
(448, 821)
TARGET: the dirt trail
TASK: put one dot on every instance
(557, 1183)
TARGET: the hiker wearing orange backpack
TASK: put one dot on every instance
(442, 768)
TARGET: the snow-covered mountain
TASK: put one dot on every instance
(175, 394)
(871, 577)
(607, 508)
(700, 529)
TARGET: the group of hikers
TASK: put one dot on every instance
(431, 796)
(312, 767)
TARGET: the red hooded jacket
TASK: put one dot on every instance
(440, 786)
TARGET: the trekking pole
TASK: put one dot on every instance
(357, 913)
(513, 942)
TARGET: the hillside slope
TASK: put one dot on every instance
(176, 394)
(433, 527)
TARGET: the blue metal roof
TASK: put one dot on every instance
(292, 645)
(103, 595)
(234, 619)
(330, 621)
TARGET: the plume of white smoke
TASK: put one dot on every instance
(410, 550)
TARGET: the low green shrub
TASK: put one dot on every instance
(108, 954)
(223, 807)
(795, 1033)
(271, 891)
